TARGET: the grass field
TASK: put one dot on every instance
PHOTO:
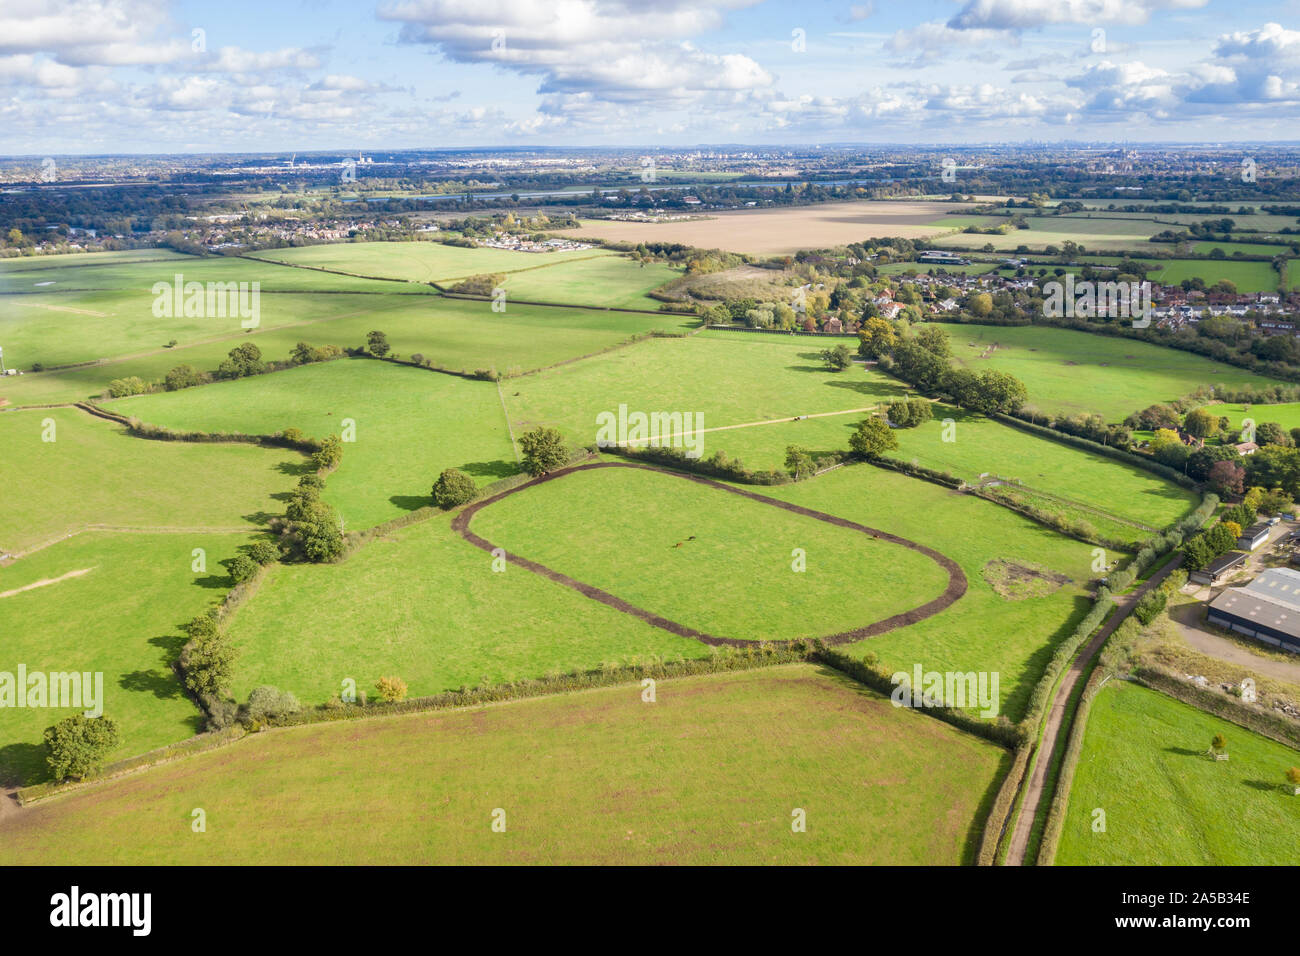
(1246, 276)
(409, 424)
(456, 334)
(683, 780)
(1286, 414)
(985, 630)
(1068, 372)
(119, 617)
(1043, 231)
(1143, 762)
(420, 261)
(93, 472)
(740, 378)
(424, 604)
(612, 282)
(1245, 248)
(706, 559)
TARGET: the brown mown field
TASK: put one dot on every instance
(788, 229)
(711, 772)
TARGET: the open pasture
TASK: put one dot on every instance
(708, 560)
(1069, 372)
(785, 230)
(63, 485)
(421, 261)
(408, 425)
(763, 382)
(1144, 762)
(986, 630)
(424, 604)
(1246, 276)
(111, 603)
(456, 334)
(650, 784)
(1043, 231)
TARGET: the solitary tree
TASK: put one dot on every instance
(838, 358)
(1218, 744)
(872, 438)
(1293, 777)
(377, 342)
(542, 450)
(453, 488)
(391, 689)
(76, 746)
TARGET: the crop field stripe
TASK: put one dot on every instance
(951, 594)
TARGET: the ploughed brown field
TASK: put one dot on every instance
(786, 230)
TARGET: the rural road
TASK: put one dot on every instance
(1056, 717)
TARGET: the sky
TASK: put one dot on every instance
(129, 76)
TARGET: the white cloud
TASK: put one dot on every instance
(1026, 14)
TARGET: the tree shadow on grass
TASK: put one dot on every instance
(259, 517)
(162, 684)
(295, 468)
(1265, 785)
(22, 764)
(490, 469)
(411, 502)
(216, 582)
(1184, 752)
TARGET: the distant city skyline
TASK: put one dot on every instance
(135, 77)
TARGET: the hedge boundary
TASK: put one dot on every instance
(1055, 824)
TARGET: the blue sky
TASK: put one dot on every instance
(92, 76)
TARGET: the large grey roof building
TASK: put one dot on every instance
(1267, 609)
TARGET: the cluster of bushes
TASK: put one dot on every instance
(1202, 548)
(717, 465)
(242, 361)
(801, 464)
(310, 528)
(1078, 528)
(947, 479)
(718, 660)
(483, 285)
(909, 412)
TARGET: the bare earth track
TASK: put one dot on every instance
(956, 577)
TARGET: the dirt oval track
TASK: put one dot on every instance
(956, 577)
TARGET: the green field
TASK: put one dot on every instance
(456, 334)
(985, 630)
(683, 780)
(1246, 276)
(764, 381)
(425, 605)
(1092, 234)
(420, 261)
(120, 616)
(94, 472)
(706, 559)
(612, 282)
(1286, 414)
(408, 423)
(1245, 248)
(1143, 762)
(1069, 372)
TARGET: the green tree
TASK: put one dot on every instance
(266, 702)
(208, 658)
(876, 337)
(329, 454)
(453, 488)
(241, 567)
(798, 462)
(320, 534)
(1201, 423)
(182, 376)
(76, 746)
(242, 360)
(838, 358)
(542, 450)
(872, 438)
(377, 343)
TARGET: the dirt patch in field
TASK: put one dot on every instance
(1016, 581)
(44, 581)
(951, 594)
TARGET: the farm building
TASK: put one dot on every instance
(1218, 569)
(1253, 536)
(1267, 609)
